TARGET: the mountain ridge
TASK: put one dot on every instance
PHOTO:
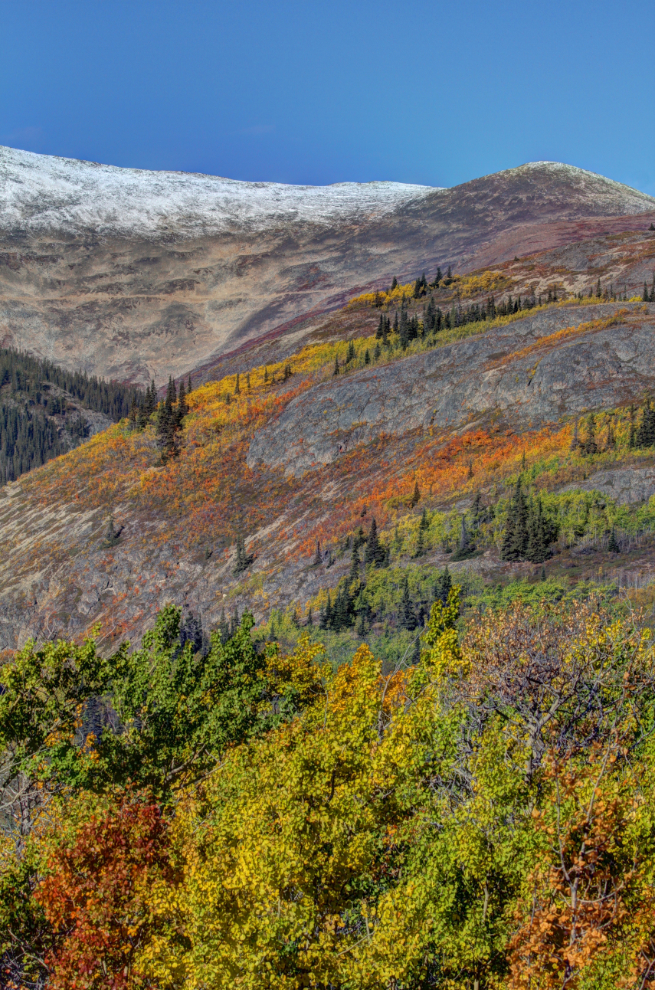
(129, 307)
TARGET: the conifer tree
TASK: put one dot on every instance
(646, 433)
(589, 445)
(613, 544)
(515, 541)
(336, 366)
(406, 614)
(443, 586)
(394, 284)
(537, 548)
(375, 553)
(465, 546)
(237, 386)
(243, 559)
(416, 495)
(317, 556)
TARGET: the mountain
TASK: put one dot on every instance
(265, 497)
(131, 275)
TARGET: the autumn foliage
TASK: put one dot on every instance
(479, 816)
(98, 896)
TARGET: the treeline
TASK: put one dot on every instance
(479, 815)
(433, 320)
(28, 375)
(38, 423)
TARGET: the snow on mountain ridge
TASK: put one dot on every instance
(39, 192)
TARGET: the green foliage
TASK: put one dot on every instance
(180, 708)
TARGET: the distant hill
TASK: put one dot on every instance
(45, 411)
(132, 275)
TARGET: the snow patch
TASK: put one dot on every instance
(40, 192)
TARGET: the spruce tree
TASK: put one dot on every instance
(465, 546)
(613, 544)
(243, 559)
(406, 615)
(394, 284)
(443, 586)
(515, 541)
(537, 548)
(416, 495)
(589, 445)
(372, 545)
(646, 433)
(336, 366)
(317, 556)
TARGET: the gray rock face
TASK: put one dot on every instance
(626, 485)
(131, 274)
(482, 376)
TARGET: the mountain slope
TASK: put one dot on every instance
(455, 416)
(134, 274)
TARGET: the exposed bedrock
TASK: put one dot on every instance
(518, 373)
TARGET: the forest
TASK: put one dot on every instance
(477, 815)
(40, 414)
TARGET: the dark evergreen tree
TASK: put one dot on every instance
(646, 433)
(406, 614)
(515, 540)
(375, 553)
(443, 586)
(465, 547)
(394, 283)
(537, 549)
(613, 544)
(416, 495)
(243, 560)
(589, 445)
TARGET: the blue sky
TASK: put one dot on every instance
(436, 93)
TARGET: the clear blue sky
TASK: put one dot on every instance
(319, 92)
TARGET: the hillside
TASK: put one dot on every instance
(290, 455)
(45, 411)
(132, 275)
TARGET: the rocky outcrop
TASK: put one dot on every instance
(626, 485)
(521, 373)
